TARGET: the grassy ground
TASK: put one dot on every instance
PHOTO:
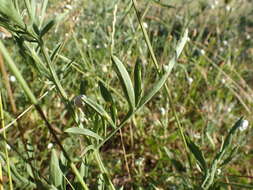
(188, 136)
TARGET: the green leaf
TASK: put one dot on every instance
(138, 81)
(105, 93)
(80, 131)
(55, 175)
(230, 135)
(197, 154)
(47, 27)
(99, 109)
(55, 51)
(125, 81)
(159, 84)
(156, 87)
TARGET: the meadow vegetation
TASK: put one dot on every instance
(147, 94)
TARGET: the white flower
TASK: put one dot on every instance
(247, 36)
(104, 69)
(190, 80)
(244, 126)
(8, 147)
(225, 42)
(12, 78)
(228, 8)
(218, 171)
(196, 136)
(78, 101)
(85, 41)
(162, 110)
(223, 81)
(139, 161)
(188, 39)
(68, 7)
(50, 145)
(145, 25)
(202, 52)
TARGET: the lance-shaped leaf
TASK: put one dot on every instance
(138, 81)
(158, 85)
(197, 154)
(55, 174)
(47, 27)
(106, 94)
(81, 131)
(98, 108)
(230, 135)
(125, 81)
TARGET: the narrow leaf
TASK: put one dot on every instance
(125, 81)
(230, 135)
(47, 27)
(81, 131)
(156, 87)
(105, 93)
(138, 81)
(55, 51)
(197, 154)
(56, 176)
(98, 108)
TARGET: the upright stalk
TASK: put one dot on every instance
(5, 147)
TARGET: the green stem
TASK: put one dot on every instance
(53, 73)
(5, 144)
(146, 38)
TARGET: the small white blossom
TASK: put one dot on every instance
(223, 81)
(145, 25)
(196, 136)
(97, 46)
(244, 126)
(12, 78)
(216, 2)
(225, 42)
(104, 69)
(50, 145)
(162, 110)
(228, 8)
(8, 147)
(190, 80)
(139, 161)
(68, 7)
(188, 39)
(218, 171)
(247, 36)
(85, 41)
(202, 52)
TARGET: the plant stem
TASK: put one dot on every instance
(5, 145)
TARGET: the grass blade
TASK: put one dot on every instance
(197, 154)
(138, 81)
(98, 108)
(80, 131)
(125, 81)
(56, 177)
